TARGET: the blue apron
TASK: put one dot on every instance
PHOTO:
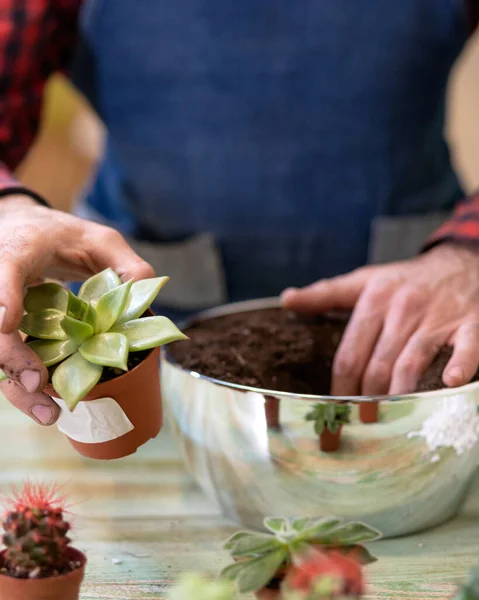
(275, 134)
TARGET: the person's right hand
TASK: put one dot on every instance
(38, 242)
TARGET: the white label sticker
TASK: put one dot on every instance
(94, 421)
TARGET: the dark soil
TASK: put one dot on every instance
(45, 572)
(134, 359)
(276, 350)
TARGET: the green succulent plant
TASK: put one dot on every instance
(80, 335)
(328, 416)
(470, 589)
(259, 556)
(194, 586)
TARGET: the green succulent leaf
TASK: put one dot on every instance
(141, 295)
(78, 331)
(45, 325)
(74, 378)
(98, 285)
(319, 426)
(234, 538)
(52, 352)
(334, 426)
(110, 306)
(107, 350)
(46, 295)
(250, 544)
(3, 375)
(318, 529)
(299, 523)
(150, 332)
(276, 524)
(77, 307)
(230, 572)
(360, 554)
(352, 533)
(258, 572)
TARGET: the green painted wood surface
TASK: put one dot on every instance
(145, 512)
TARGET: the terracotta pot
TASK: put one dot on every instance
(271, 409)
(329, 442)
(138, 394)
(63, 587)
(267, 594)
(369, 412)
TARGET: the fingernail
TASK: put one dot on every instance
(30, 380)
(3, 311)
(456, 374)
(42, 413)
(287, 292)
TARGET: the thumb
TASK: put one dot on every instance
(113, 251)
(338, 293)
(11, 296)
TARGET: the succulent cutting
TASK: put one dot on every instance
(328, 416)
(259, 556)
(80, 335)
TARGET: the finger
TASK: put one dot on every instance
(359, 339)
(21, 364)
(38, 406)
(405, 313)
(328, 294)
(11, 295)
(113, 251)
(415, 358)
(464, 361)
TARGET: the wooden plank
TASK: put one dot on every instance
(145, 512)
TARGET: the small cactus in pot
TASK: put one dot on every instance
(329, 419)
(101, 347)
(262, 560)
(38, 557)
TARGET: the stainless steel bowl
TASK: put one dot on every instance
(407, 472)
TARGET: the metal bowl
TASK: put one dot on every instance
(409, 471)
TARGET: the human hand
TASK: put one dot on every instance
(403, 314)
(39, 242)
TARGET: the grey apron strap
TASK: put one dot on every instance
(194, 265)
(401, 238)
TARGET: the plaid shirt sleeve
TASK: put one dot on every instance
(463, 226)
(37, 38)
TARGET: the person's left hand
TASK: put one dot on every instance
(403, 313)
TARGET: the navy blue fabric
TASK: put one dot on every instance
(284, 128)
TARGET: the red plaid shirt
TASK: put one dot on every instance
(38, 37)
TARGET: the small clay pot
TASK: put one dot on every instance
(329, 442)
(63, 587)
(271, 409)
(138, 394)
(267, 594)
(369, 412)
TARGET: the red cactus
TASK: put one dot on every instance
(36, 533)
(324, 576)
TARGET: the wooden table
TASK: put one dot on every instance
(142, 521)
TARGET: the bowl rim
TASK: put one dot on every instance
(265, 303)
